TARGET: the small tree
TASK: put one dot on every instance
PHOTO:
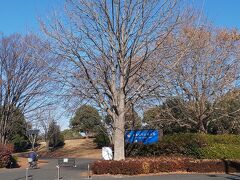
(45, 116)
(171, 116)
(54, 135)
(86, 119)
(18, 127)
(226, 117)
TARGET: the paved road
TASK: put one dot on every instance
(49, 172)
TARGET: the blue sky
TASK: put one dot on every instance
(222, 13)
(21, 16)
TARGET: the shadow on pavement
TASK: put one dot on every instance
(228, 176)
(30, 177)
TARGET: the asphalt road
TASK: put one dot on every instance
(49, 172)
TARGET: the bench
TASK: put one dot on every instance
(66, 162)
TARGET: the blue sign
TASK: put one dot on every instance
(145, 136)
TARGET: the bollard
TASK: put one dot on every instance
(89, 174)
(26, 173)
(58, 172)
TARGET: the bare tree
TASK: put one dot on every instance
(107, 45)
(44, 118)
(23, 78)
(208, 69)
(32, 136)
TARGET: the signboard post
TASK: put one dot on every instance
(32, 135)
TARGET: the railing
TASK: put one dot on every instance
(66, 162)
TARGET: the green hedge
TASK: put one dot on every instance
(224, 146)
(201, 146)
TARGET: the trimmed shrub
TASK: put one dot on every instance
(205, 166)
(145, 167)
(159, 165)
(117, 167)
(168, 165)
(5, 155)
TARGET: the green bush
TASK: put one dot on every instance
(12, 162)
(222, 139)
(20, 143)
(101, 139)
(221, 151)
(178, 144)
(71, 134)
(57, 141)
(185, 144)
(201, 146)
(224, 146)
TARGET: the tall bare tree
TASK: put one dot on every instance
(106, 45)
(207, 70)
(23, 78)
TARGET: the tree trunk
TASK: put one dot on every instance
(3, 133)
(2, 139)
(119, 149)
(119, 153)
(201, 127)
(47, 144)
(33, 143)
